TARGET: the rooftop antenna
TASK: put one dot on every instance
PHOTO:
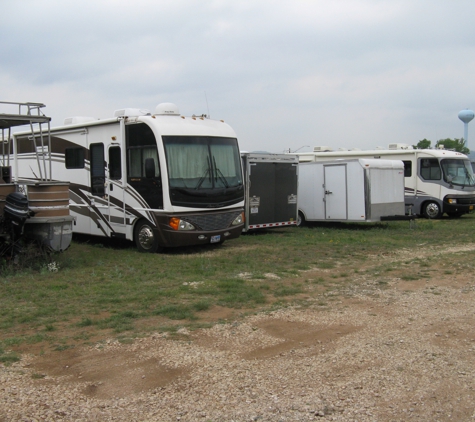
(466, 116)
(298, 149)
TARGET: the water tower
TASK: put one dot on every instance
(466, 116)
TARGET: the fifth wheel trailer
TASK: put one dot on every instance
(271, 182)
(364, 190)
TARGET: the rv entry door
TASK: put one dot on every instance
(116, 193)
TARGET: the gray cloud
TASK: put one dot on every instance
(283, 74)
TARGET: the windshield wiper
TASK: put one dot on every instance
(467, 177)
(220, 174)
(208, 171)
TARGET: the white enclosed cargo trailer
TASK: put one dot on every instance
(364, 190)
(271, 182)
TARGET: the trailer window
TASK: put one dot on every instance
(74, 158)
(407, 168)
(115, 166)
(430, 169)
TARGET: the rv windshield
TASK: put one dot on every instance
(458, 172)
(203, 171)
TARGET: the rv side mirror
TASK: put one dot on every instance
(149, 168)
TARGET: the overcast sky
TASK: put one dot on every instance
(284, 74)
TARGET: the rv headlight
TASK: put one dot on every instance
(178, 224)
(452, 201)
(238, 220)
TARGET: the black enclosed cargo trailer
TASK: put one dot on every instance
(271, 182)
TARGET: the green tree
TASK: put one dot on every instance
(453, 144)
(423, 144)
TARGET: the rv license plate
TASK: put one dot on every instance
(215, 239)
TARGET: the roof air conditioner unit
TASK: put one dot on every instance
(131, 112)
(322, 149)
(78, 120)
(399, 146)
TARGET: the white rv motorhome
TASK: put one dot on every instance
(362, 190)
(160, 180)
(436, 181)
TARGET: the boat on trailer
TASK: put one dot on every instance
(31, 209)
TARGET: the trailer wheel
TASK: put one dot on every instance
(431, 209)
(145, 238)
(300, 220)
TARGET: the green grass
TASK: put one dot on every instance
(8, 358)
(105, 287)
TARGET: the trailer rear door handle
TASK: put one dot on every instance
(328, 192)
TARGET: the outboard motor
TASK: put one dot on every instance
(16, 210)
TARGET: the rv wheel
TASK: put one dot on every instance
(145, 238)
(300, 220)
(431, 210)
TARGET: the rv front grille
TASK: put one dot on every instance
(466, 201)
(209, 222)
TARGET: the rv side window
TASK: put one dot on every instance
(74, 158)
(115, 167)
(407, 168)
(137, 157)
(98, 170)
(430, 169)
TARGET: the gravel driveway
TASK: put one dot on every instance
(398, 351)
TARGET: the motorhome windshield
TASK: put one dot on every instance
(458, 172)
(203, 171)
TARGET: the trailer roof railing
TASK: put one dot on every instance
(13, 114)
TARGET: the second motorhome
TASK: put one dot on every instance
(159, 179)
(436, 181)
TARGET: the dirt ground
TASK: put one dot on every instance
(381, 349)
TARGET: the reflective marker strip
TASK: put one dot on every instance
(285, 223)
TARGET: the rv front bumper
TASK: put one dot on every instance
(459, 204)
(199, 229)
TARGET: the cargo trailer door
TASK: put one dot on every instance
(335, 192)
(286, 182)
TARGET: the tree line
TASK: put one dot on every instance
(451, 144)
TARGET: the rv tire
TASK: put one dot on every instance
(145, 237)
(300, 219)
(431, 209)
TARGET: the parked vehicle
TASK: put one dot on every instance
(271, 182)
(436, 181)
(161, 179)
(36, 208)
(364, 190)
